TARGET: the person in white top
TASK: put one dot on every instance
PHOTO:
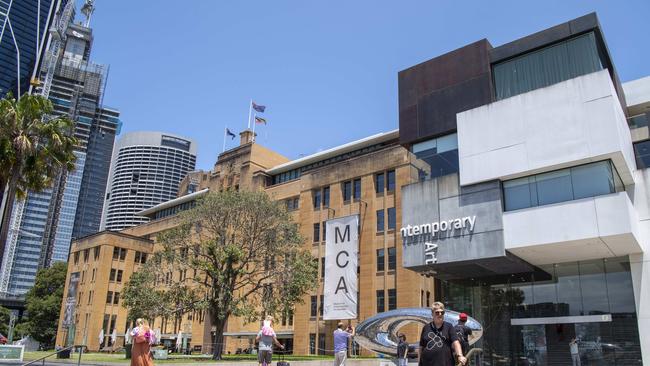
(575, 353)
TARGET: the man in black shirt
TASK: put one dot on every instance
(463, 332)
(437, 340)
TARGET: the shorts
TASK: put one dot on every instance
(264, 357)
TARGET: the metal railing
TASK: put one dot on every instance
(42, 359)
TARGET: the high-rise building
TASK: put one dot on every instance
(24, 34)
(147, 170)
(44, 225)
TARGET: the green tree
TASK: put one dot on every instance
(5, 315)
(43, 304)
(245, 255)
(141, 297)
(34, 148)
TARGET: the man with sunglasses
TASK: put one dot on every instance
(437, 340)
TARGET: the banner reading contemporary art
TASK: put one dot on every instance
(341, 282)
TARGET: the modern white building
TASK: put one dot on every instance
(146, 170)
(539, 143)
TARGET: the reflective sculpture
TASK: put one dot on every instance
(379, 333)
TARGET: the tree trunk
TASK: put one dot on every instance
(6, 216)
(219, 343)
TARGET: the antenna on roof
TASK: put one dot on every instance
(87, 9)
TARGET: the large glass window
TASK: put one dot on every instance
(390, 178)
(316, 232)
(562, 185)
(440, 154)
(642, 153)
(379, 183)
(381, 307)
(392, 218)
(392, 299)
(347, 191)
(392, 258)
(547, 66)
(317, 199)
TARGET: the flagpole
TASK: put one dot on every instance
(250, 107)
(224, 139)
(254, 123)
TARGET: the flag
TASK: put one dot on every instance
(259, 108)
(229, 133)
(260, 120)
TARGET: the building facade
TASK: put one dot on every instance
(146, 170)
(533, 141)
(44, 224)
(516, 190)
(24, 27)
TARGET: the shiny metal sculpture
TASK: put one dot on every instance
(379, 333)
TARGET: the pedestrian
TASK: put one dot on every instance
(143, 338)
(575, 353)
(402, 351)
(463, 332)
(341, 338)
(437, 340)
(266, 341)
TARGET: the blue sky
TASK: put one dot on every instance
(326, 70)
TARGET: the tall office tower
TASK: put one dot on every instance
(23, 35)
(147, 169)
(44, 225)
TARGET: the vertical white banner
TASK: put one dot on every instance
(341, 280)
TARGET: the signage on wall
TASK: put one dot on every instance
(434, 228)
(341, 283)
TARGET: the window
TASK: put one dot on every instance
(76, 257)
(312, 343)
(116, 298)
(324, 231)
(583, 181)
(440, 154)
(326, 197)
(347, 191)
(112, 275)
(313, 306)
(293, 203)
(638, 121)
(357, 189)
(119, 276)
(379, 183)
(96, 252)
(86, 253)
(316, 232)
(392, 218)
(380, 301)
(547, 66)
(322, 303)
(109, 297)
(380, 260)
(642, 153)
(392, 299)
(380, 221)
(392, 258)
(428, 298)
(390, 186)
(92, 279)
(90, 297)
(119, 253)
(317, 199)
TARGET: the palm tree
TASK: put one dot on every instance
(34, 148)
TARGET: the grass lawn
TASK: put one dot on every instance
(173, 358)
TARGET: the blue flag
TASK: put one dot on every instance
(229, 133)
(259, 108)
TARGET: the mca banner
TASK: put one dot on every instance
(341, 256)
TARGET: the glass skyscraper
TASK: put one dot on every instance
(23, 33)
(48, 221)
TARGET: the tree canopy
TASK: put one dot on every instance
(34, 148)
(235, 253)
(43, 304)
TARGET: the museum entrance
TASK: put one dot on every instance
(530, 318)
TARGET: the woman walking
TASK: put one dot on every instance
(143, 338)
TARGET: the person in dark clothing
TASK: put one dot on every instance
(402, 351)
(437, 340)
(463, 332)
